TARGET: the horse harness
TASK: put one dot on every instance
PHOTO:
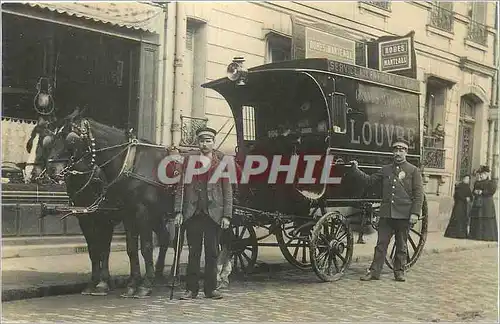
(83, 131)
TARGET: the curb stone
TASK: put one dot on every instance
(120, 281)
(368, 258)
(116, 282)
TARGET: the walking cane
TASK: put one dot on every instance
(176, 259)
(177, 251)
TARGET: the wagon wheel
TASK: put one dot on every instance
(244, 248)
(294, 245)
(331, 246)
(415, 243)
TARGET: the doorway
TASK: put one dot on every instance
(466, 130)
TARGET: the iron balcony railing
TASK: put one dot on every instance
(433, 141)
(189, 126)
(441, 18)
(434, 153)
(478, 33)
(385, 5)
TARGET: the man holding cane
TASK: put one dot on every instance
(402, 200)
(205, 209)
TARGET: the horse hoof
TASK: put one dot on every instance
(101, 289)
(129, 294)
(143, 292)
(89, 289)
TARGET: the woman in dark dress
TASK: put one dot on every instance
(483, 222)
(457, 227)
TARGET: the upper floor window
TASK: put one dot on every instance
(478, 32)
(434, 114)
(385, 5)
(279, 48)
(361, 54)
(442, 15)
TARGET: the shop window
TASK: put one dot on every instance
(279, 48)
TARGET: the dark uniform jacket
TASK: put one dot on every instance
(216, 197)
(402, 191)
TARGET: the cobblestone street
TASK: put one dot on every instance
(457, 286)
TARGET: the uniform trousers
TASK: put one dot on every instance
(201, 227)
(386, 228)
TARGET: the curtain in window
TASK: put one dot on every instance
(15, 134)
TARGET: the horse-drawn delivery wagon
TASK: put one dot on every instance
(338, 113)
(300, 111)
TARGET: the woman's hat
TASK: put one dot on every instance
(483, 169)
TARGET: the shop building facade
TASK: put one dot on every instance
(455, 64)
(141, 65)
(101, 57)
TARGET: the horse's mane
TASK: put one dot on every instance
(110, 132)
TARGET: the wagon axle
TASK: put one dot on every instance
(336, 246)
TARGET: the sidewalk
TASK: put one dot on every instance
(29, 277)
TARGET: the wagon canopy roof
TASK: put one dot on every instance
(279, 90)
(326, 66)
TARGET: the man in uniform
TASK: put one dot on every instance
(402, 199)
(206, 208)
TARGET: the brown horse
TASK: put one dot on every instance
(106, 169)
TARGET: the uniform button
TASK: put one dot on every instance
(393, 193)
(393, 187)
(393, 201)
(394, 180)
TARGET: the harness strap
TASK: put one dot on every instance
(128, 163)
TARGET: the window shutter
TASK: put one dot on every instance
(147, 92)
(190, 38)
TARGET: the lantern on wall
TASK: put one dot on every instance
(43, 101)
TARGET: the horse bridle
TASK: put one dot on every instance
(83, 131)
